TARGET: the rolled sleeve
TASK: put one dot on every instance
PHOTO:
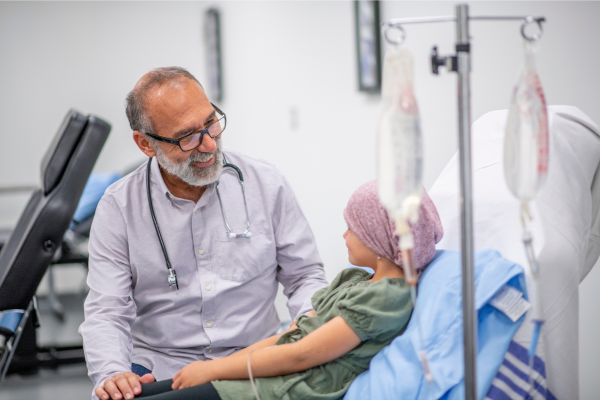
(300, 267)
(109, 308)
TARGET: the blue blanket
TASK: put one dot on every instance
(396, 372)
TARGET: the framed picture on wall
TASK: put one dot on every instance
(368, 45)
(213, 54)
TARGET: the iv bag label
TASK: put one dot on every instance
(407, 154)
(511, 302)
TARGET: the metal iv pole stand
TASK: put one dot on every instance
(463, 61)
(461, 64)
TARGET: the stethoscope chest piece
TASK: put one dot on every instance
(172, 278)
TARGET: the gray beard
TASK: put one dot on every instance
(190, 174)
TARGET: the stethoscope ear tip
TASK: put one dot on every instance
(231, 235)
(248, 234)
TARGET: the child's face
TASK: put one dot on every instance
(359, 254)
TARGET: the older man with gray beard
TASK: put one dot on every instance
(145, 319)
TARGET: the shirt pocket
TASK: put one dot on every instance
(241, 259)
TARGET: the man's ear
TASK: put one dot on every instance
(144, 144)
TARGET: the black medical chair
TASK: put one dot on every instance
(37, 239)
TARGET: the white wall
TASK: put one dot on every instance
(279, 58)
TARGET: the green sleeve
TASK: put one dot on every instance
(318, 297)
(378, 311)
(347, 274)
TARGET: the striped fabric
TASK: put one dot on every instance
(512, 382)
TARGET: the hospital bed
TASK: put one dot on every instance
(37, 240)
(566, 234)
(566, 226)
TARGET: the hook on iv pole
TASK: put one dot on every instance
(397, 24)
(387, 27)
(530, 20)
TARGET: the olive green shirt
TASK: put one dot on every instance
(376, 311)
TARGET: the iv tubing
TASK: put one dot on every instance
(251, 378)
(406, 246)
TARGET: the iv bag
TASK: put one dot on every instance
(400, 149)
(526, 142)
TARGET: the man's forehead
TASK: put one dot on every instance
(181, 97)
(176, 88)
(176, 107)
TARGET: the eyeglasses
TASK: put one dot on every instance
(193, 140)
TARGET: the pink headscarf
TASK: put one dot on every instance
(370, 222)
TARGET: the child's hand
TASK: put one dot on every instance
(193, 374)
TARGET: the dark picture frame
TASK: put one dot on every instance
(212, 20)
(368, 45)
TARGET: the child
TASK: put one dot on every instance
(322, 352)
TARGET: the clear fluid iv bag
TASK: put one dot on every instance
(400, 162)
(526, 142)
(526, 153)
(400, 149)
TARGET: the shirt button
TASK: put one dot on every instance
(195, 211)
(201, 251)
(209, 324)
(208, 351)
(207, 287)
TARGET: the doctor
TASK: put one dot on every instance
(136, 324)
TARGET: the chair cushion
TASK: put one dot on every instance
(59, 153)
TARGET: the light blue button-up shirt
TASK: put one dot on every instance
(226, 286)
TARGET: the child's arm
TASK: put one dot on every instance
(270, 341)
(326, 343)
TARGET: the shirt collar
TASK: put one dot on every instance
(156, 177)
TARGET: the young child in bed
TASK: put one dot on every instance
(322, 352)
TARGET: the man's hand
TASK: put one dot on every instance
(123, 385)
(193, 374)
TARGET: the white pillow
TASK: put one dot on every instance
(566, 229)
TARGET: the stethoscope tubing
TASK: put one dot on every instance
(172, 278)
(156, 227)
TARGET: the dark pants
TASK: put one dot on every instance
(162, 391)
(140, 370)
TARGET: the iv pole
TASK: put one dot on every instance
(461, 63)
(463, 50)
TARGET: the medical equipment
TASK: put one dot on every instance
(526, 150)
(251, 377)
(172, 277)
(36, 239)
(400, 163)
(461, 64)
(400, 151)
(565, 217)
(229, 232)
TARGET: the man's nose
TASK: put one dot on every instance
(208, 145)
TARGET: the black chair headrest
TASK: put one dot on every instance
(59, 153)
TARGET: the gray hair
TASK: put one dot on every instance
(138, 117)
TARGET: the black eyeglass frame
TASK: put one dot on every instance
(202, 132)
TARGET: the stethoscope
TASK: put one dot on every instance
(172, 277)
